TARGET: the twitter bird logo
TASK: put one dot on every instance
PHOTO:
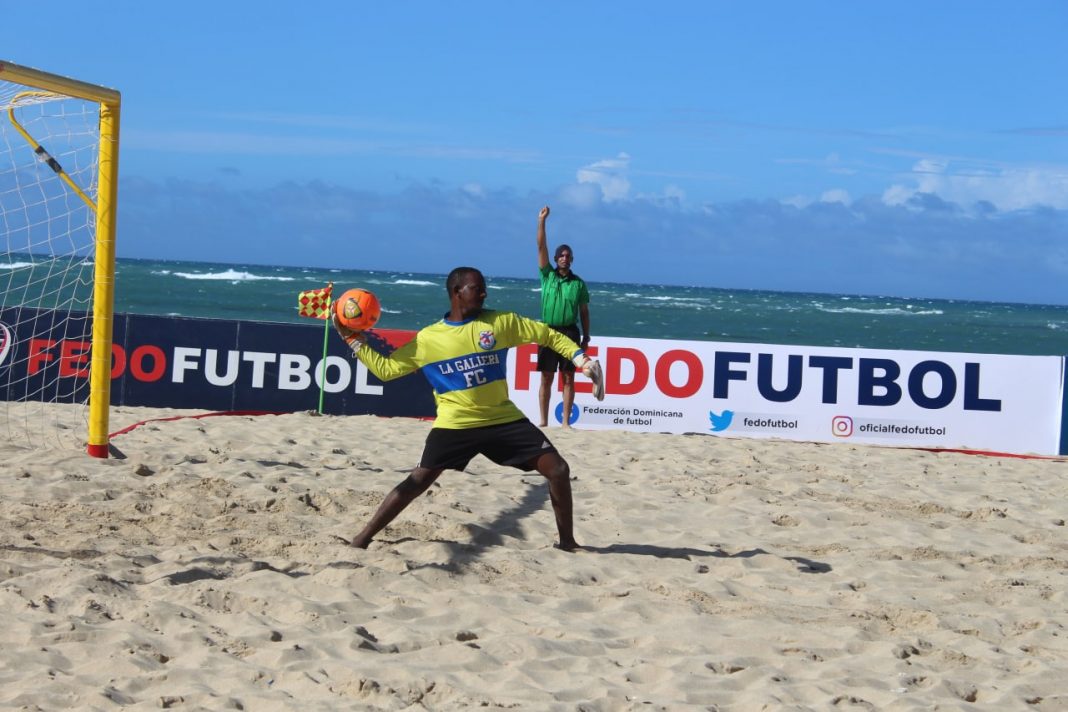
(720, 422)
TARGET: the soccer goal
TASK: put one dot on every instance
(59, 145)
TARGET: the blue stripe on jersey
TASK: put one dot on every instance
(462, 372)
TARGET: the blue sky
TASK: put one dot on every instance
(908, 149)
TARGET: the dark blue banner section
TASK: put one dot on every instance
(203, 364)
(44, 355)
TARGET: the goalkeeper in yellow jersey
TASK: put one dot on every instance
(464, 357)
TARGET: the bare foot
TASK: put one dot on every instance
(360, 543)
(568, 546)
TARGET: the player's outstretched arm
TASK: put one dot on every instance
(399, 363)
(520, 330)
(543, 247)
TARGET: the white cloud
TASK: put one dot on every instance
(930, 165)
(897, 195)
(836, 196)
(582, 195)
(1008, 188)
(610, 174)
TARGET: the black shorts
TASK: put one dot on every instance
(516, 444)
(549, 361)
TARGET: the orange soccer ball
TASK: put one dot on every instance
(358, 309)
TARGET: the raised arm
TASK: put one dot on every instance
(543, 249)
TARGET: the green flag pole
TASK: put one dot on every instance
(326, 337)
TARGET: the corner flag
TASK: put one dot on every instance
(315, 303)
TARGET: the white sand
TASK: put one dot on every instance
(207, 571)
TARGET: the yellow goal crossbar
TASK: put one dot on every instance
(104, 260)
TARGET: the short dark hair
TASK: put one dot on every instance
(560, 249)
(456, 275)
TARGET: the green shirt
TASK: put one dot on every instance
(561, 297)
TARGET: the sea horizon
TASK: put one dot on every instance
(681, 285)
(412, 299)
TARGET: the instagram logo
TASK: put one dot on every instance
(842, 426)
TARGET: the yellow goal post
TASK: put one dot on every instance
(39, 85)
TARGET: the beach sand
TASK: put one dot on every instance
(208, 570)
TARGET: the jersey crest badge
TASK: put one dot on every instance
(486, 340)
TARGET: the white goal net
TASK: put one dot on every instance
(49, 175)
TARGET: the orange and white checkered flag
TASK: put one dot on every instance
(315, 303)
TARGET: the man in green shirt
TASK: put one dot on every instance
(564, 301)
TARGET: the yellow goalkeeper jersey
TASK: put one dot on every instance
(466, 362)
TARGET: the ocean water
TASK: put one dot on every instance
(412, 300)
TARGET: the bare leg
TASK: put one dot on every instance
(569, 397)
(402, 495)
(555, 469)
(544, 393)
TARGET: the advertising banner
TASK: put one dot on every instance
(203, 364)
(1012, 404)
(823, 394)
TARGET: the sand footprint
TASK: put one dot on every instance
(723, 668)
(850, 701)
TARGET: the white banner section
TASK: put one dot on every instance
(988, 402)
